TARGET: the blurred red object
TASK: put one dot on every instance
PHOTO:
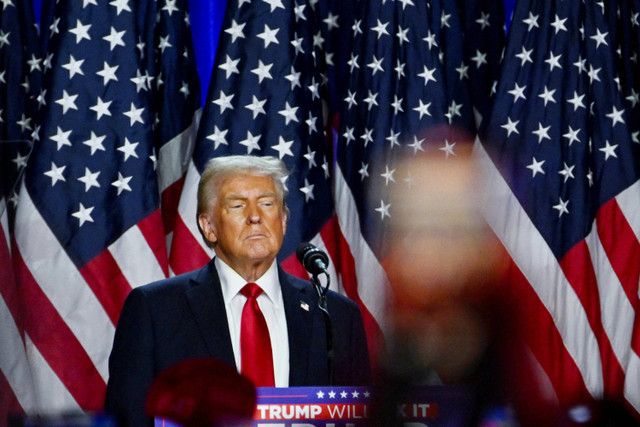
(202, 392)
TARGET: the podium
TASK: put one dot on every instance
(340, 406)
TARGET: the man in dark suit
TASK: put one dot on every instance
(242, 215)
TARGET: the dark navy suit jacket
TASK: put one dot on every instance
(184, 317)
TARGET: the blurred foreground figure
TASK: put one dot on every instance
(445, 267)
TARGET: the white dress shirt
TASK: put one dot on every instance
(272, 307)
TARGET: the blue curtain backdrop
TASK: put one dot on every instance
(206, 19)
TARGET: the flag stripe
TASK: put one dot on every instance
(47, 266)
(175, 155)
(371, 277)
(538, 264)
(577, 266)
(188, 244)
(49, 333)
(53, 393)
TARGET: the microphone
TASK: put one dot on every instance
(314, 260)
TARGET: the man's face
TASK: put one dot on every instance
(247, 222)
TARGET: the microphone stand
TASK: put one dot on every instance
(322, 305)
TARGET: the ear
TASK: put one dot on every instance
(284, 223)
(205, 221)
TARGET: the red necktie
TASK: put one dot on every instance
(255, 344)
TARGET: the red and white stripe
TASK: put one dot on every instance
(581, 311)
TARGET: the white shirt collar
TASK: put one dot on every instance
(232, 282)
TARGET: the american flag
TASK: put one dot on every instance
(266, 98)
(20, 74)
(118, 104)
(561, 146)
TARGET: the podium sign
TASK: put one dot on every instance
(352, 407)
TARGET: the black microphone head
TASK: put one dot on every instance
(313, 259)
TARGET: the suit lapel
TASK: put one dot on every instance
(207, 306)
(299, 307)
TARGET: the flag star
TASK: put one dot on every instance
(55, 173)
(350, 99)
(230, 66)
(297, 44)
(581, 64)
(311, 157)
(558, 24)
(74, 67)
(20, 161)
(251, 142)
(224, 102)
(384, 210)
(417, 144)
(353, 62)
(348, 135)
(634, 98)
(399, 68)
(95, 142)
(83, 214)
(518, 92)
(600, 38)
(81, 31)
(164, 43)
(376, 65)
(479, 59)
(635, 136)
(274, 4)
(314, 88)
(62, 138)
(364, 171)
(4, 39)
(218, 137)
(483, 20)
(24, 123)
(431, 40)
(542, 132)
(101, 108)
(572, 135)
(134, 114)
(547, 95)
(256, 106)
(577, 101)
(367, 136)
(402, 35)
(553, 61)
(536, 167)
(115, 38)
(427, 75)
(356, 27)
(320, 394)
(453, 111)
(567, 172)
(616, 116)
(444, 19)
(397, 104)
(289, 113)
(318, 40)
(120, 5)
(423, 109)
(609, 150)
(561, 207)
(298, 10)
(393, 138)
(108, 73)
(283, 148)
(448, 148)
(381, 29)
(511, 126)
(371, 100)
(332, 394)
(294, 78)
(41, 99)
(406, 2)
(269, 36)
(236, 30)
(531, 21)
(525, 56)
(128, 149)
(68, 102)
(388, 175)
(307, 190)
(463, 71)
(262, 71)
(593, 74)
(90, 179)
(122, 183)
(311, 123)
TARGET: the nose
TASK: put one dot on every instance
(253, 214)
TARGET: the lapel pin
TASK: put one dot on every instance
(304, 306)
